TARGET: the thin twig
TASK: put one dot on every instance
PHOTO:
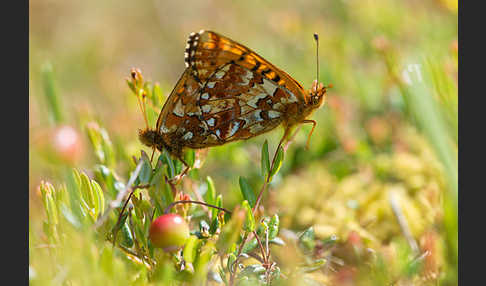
(194, 202)
(119, 198)
(233, 273)
(256, 257)
(261, 247)
(120, 215)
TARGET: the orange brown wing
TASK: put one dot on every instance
(206, 51)
(227, 93)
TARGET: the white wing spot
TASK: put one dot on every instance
(205, 95)
(218, 133)
(292, 98)
(269, 87)
(179, 109)
(164, 128)
(246, 79)
(211, 84)
(211, 121)
(194, 113)
(206, 108)
(273, 114)
(220, 74)
(253, 102)
(187, 136)
(234, 128)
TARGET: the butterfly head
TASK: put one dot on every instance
(317, 95)
(150, 138)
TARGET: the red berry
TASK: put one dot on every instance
(169, 231)
(66, 143)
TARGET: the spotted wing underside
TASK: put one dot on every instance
(207, 51)
(227, 93)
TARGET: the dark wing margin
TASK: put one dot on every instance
(207, 51)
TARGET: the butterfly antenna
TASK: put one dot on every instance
(316, 37)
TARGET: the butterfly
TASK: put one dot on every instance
(228, 93)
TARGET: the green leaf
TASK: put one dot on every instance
(99, 198)
(231, 260)
(119, 225)
(146, 171)
(247, 191)
(201, 265)
(156, 94)
(131, 86)
(86, 190)
(331, 240)
(249, 225)
(101, 143)
(306, 239)
(165, 158)
(190, 157)
(190, 249)
(216, 223)
(70, 217)
(72, 182)
(231, 231)
(250, 245)
(278, 162)
(210, 195)
(263, 226)
(252, 270)
(157, 191)
(126, 236)
(277, 241)
(265, 161)
(314, 266)
(52, 96)
(273, 227)
(47, 191)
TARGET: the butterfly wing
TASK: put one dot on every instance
(207, 51)
(237, 103)
(227, 93)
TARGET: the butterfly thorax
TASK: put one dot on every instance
(313, 100)
(155, 139)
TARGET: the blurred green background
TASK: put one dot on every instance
(388, 129)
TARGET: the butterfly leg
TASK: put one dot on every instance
(314, 123)
(292, 137)
(179, 177)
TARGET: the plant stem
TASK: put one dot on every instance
(194, 202)
(261, 247)
(233, 273)
(267, 179)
